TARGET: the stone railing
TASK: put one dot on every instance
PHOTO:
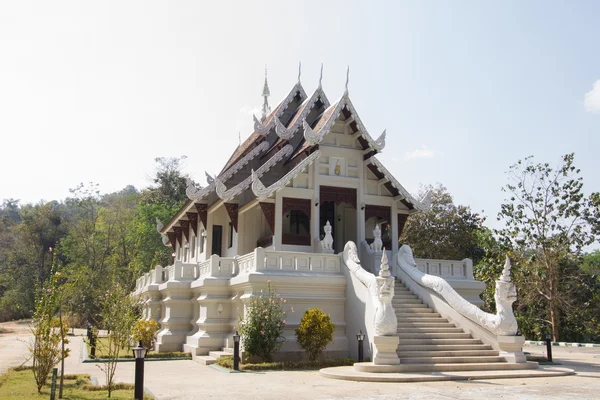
(246, 263)
(217, 267)
(300, 262)
(447, 269)
(154, 276)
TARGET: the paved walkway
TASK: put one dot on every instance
(190, 380)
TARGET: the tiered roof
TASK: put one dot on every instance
(284, 143)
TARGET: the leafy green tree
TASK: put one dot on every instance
(119, 314)
(548, 216)
(446, 231)
(315, 332)
(261, 329)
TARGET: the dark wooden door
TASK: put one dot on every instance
(217, 240)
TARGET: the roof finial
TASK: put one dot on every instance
(347, 78)
(266, 93)
(299, 70)
(321, 76)
(240, 138)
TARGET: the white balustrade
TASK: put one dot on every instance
(300, 262)
(447, 269)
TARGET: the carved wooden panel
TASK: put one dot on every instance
(232, 211)
(185, 228)
(338, 195)
(178, 233)
(203, 214)
(302, 205)
(268, 210)
(382, 212)
(295, 239)
(193, 218)
(172, 238)
(402, 218)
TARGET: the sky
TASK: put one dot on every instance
(95, 91)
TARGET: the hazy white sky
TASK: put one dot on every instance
(94, 91)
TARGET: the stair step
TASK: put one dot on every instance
(422, 315)
(447, 353)
(433, 335)
(444, 347)
(414, 310)
(228, 350)
(452, 360)
(205, 360)
(420, 329)
(419, 324)
(217, 354)
(428, 341)
(457, 367)
(400, 307)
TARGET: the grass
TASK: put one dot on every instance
(102, 344)
(227, 362)
(18, 383)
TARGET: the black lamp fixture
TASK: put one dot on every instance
(139, 353)
(360, 337)
(236, 351)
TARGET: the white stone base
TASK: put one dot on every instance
(384, 350)
(511, 348)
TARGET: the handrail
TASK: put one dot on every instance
(501, 323)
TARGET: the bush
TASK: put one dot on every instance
(227, 362)
(261, 330)
(145, 332)
(315, 332)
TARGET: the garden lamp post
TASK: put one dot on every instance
(549, 347)
(361, 338)
(139, 353)
(236, 351)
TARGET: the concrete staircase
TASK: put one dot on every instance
(212, 356)
(430, 343)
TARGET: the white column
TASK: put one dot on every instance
(278, 221)
(394, 228)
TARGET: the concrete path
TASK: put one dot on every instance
(14, 345)
(190, 380)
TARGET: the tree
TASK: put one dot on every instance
(446, 231)
(315, 332)
(550, 219)
(119, 314)
(262, 327)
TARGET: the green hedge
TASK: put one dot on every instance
(227, 362)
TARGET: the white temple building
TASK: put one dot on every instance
(285, 208)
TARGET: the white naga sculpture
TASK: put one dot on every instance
(501, 323)
(327, 242)
(377, 244)
(380, 287)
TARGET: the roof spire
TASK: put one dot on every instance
(266, 93)
(347, 78)
(299, 70)
(321, 76)
(240, 138)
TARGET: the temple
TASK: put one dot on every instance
(288, 206)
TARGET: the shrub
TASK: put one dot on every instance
(145, 332)
(227, 362)
(315, 332)
(261, 329)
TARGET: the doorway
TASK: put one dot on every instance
(217, 240)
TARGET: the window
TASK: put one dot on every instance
(296, 221)
(193, 246)
(230, 244)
